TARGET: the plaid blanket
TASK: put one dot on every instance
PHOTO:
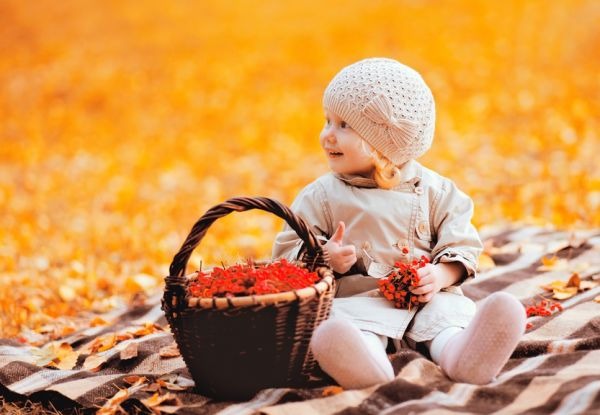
(555, 368)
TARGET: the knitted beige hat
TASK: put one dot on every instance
(387, 103)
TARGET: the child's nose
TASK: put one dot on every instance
(328, 135)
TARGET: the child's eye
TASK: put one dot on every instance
(343, 124)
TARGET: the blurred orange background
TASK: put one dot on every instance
(121, 122)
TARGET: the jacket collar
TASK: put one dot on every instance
(409, 174)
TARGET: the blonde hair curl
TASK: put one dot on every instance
(387, 174)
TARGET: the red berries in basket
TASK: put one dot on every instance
(251, 279)
(396, 286)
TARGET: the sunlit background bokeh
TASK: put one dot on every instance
(121, 122)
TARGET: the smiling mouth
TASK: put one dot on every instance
(335, 154)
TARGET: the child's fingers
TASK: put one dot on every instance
(425, 298)
(426, 280)
(424, 271)
(344, 266)
(422, 289)
(338, 235)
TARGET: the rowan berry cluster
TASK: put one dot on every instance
(544, 308)
(396, 286)
(250, 279)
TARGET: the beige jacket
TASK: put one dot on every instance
(426, 213)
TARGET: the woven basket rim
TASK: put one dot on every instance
(302, 294)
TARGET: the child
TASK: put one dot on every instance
(380, 206)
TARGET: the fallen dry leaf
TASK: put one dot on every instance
(105, 342)
(32, 337)
(94, 362)
(175, 382)
(171, 350)
(113, 405)
(124, 336)
(148, 328)
(58, 355)
(574, 281)
(549, 261)
(67, 357)
(98, 321)
(156, 403)
(129, 352)
(562, 290)
(332, 390)
(564, 293)
(486, 262)
(553, 263)
(597, 299)
(170, 381)
(133, 379)
(556, 284)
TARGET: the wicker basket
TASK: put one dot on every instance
(235, 347)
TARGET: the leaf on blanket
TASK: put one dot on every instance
(67, 357)
(98, 321)
(486, 262)
(121, 337)
(332, 390)
(57, 330)
(156, 403)
(94, 362)
(167, 382)
(32, 337)
(172, 350)
(597, 299)
(175, 382)
(103, 343)
(561, 290)
(574, 280)
(113, 405)
(61, 356)
(553, 263)
(170, 381)
(129, 352)
(148, 328)
(564, 293)
(556, 284)
(133, 379)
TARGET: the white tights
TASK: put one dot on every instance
(354, 358)
(357, 359)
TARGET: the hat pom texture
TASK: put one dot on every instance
(388, 104)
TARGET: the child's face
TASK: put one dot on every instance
(344, 148)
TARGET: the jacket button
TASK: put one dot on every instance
(366, 246)
(423, 226)
(419, 190)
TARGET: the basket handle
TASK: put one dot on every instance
(314, 256)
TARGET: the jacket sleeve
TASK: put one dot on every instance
(457, 238)
(311, 205)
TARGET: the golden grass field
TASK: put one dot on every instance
(121, 122)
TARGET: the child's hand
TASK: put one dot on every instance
(434, 278)
(341, 257)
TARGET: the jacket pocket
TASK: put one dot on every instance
(423, 230)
